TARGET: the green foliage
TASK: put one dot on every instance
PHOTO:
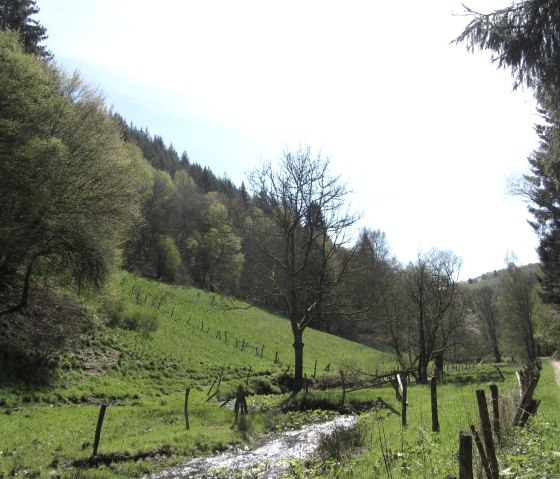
(69, 194)
(15, 16)
(143, 378)
(145, 322)
(168, 258)
(522, 37)
(215, 255)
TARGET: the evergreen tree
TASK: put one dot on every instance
(15, 15)
(525, 38)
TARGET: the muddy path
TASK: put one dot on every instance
(268, 459)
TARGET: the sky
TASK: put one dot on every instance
(425, 134)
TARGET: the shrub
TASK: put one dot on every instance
(119, 317)
(341, 443)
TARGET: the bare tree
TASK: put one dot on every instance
(519, 304)
(296, 236)
(427, 322)
(483, 301)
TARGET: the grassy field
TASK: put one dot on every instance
(387, 450)
(48, 422)
(172, 338)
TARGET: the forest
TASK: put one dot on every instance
(85, 194)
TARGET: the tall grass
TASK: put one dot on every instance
(391, 451)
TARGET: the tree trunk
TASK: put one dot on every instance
(25, 292)
(438, 361)
(422, 356)
(497, 354)
(298, 359)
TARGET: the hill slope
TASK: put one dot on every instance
(169, 337)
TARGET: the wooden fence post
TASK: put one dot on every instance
(487, 433)
(404, 383)
(433, 394)
(187, 392)
(98, 428)
(315, 369)
(465, 456)
(343, 386)
(496, 412)
(248, 376)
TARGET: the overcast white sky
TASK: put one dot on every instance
(424, 133)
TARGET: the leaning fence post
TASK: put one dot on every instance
(433, 394)
(487, 433)
(465, 456)
(187, 392)
(98, 428)
(481, 453)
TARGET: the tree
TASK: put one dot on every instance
(525, 38)
(215, 255)
(433, 308)
(167, 258)
(371, 275)
(297, 242)
(15, 15)
(68, 188)
(519, 305)
(483, 301)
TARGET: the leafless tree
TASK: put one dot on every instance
(519, 301)
(426, 310)
(296, 236)
(483, 301)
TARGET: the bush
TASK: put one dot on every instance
(119, 317)
(341, 443)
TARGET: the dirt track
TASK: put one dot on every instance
(556, 365)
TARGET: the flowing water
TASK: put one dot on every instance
(269, 460)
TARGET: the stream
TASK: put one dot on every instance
(268, 459)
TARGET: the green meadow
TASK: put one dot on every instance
(169, 338)
(164, 339)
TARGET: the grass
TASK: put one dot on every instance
(387, 450)
(141, 372)
(47, 425)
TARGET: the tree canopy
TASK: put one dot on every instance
(16, 15)
(296, 242)
(68, 188)
(523, 37)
